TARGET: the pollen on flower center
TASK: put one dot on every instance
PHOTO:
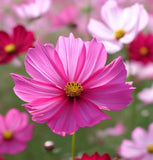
(150, 148)
(119, 33)
(143, 51)
(10, 48)
(73, 89)
(7, 135)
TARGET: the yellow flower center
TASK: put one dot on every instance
(7, 135)
(10, 48)
(150, 148)
(119, 33)
(143, 51)
(73, 89)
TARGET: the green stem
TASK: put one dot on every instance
(73, 146)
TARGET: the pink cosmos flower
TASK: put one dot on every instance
(71, 84)
(32, 9)
(141, 145)
(14, 132)
(67, 17)
(146, 95)
(119, 26)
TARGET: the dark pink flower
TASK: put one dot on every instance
(15, 132)
(95, 156)
(141, 49)
(12, 45)
(71, 84)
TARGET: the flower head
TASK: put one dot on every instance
(14, 132)
(141, 48)
(119, 26)
(141, 145)
(71, 84)
(15, 44)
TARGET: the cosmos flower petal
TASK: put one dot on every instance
(12, 147)
(40, 65)
(99, 30)
(14, 119)
(43, 110)
(147, 157)
(107, 97)
(93, 63)
(20, 136)
(138, 20)
(22, 38)
(95, 156)
(28, 89)
(112, 15)
(69, 50)
(61, 124)
(128, 37)
(144, 18)
(150, 137)
(88, 114)
(112, 46)
(114, 73)
(139, 136)
(131, 21)
(128, 146)
(38, 8)
(4, 39)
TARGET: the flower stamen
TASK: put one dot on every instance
(10, 48)
(119, 33)
(7, 135)
(73, 89)
(150, 148)
(143, 51)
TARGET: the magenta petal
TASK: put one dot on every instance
(65, 123)
(150, 133)
(95, 59)
(25, 134)
(43, 110)
(87, 113)
(28, 89)
(40, 65)
(15, 120)
(114, 73)
(12, 147)
(108, 97)
(137, 134)
(69, 50)
(130, 150)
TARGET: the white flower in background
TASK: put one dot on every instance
(118, 26)
(32, 9)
